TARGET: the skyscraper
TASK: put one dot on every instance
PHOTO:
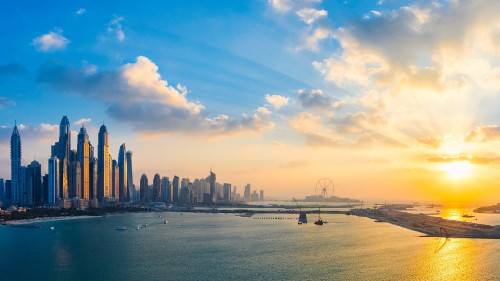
(166, 190)
(157, 188)
(83, 156)
(103, 165)
(247, 193)
(15, 164)
(74, 179)
(144, 188)
(115, 178)
(175, 189)
(130, 178)
(212, 187)
(227, 192)
(123, 174)
(33, 183)
(53, 186)
(61, 149)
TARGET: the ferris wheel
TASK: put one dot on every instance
(324, 188)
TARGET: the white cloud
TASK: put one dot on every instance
(310, 15)
(6, 102)
(311, 41)
(276, 101)
(115, 28)
(83, 122)
(52, 41)
(81, 11)
(138, 95)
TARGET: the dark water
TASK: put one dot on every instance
(226, 247)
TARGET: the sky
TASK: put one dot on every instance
(391, 100)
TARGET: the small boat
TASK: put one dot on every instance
(165, 222)
(467, 216)
(121, 228)
(145, 225)
(319, 221)
(137, 227)
(51, 228)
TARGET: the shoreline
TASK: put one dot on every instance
(44, 219)
(432, 226)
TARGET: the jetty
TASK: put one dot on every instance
(430, 225)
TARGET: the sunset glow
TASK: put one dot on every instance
(457, 170)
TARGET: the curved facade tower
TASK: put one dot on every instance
(64, 147)
(122, 173)
(103, 165)
(15, 164)
(130, 179)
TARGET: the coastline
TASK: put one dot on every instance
(432, 226)
(45, 219)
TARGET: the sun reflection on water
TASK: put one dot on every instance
(452, 259)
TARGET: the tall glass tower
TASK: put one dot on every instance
(83, 157)
(122, 173)
(130, 179)
(15, 164)
(103, 165)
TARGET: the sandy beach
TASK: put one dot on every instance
(48, 219)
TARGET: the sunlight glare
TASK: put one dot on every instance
(457, 170)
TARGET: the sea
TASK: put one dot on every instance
(201, 246)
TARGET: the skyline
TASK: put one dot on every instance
(390, 99)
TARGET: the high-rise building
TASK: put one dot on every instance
(53, 185)
(15, 164)
(93, 176)
(227, 192)
(103, 165)
(8, 190)
(61, 150)
(31, 184)
(246, 195)
(212, 187)
(175, 189)
(83, 156)
(130, 178)
(166, 189)
(115, 178)
(261, 197)
(74, 180)
(157, 188)
(2, 190)
(233, 196)
(254, 196)
(123, 174)
(45, 189)
(144, 188)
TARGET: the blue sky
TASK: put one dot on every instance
(277, 93)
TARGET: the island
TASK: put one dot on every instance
(494, 209)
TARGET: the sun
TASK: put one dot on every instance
(457, 170)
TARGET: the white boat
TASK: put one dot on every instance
(137, 227)
(165, 222)
(51, 228)
(121, 228)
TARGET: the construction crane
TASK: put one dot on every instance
(302, 214)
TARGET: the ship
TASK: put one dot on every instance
(319, 221)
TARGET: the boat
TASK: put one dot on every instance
(121, 228)
(51, 228)
(145, 225)
(138, 227)
(319, 221)
(165, 222)
(467, 216)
